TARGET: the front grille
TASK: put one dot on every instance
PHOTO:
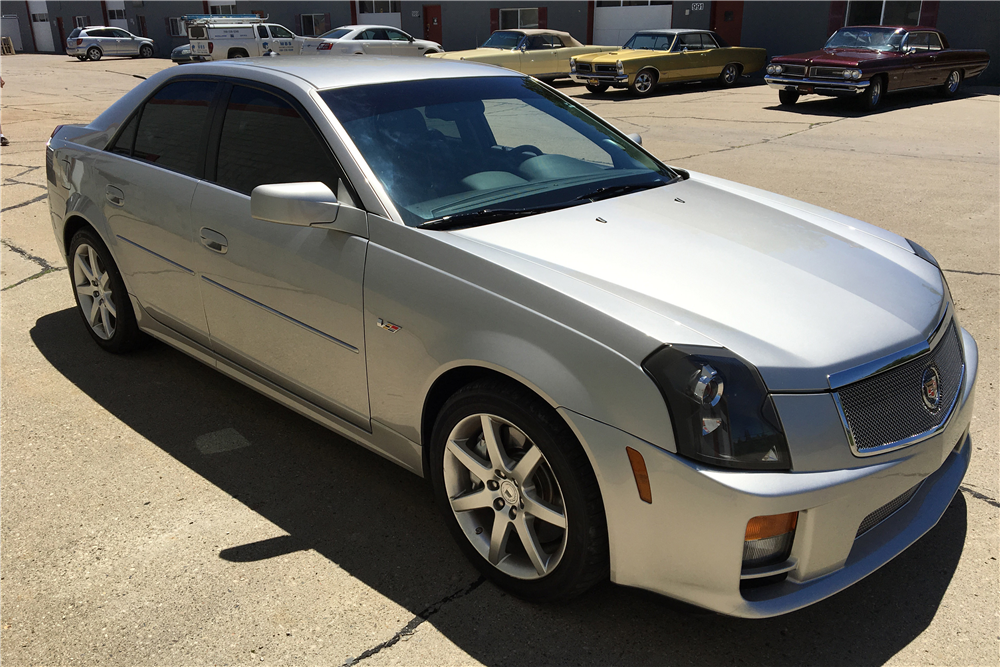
(884, 512)
(828, 73)
(888, 408)
(793, 70)
(583, 67)
(607, 68)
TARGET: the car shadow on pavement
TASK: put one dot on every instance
(813, 105)
(379, 523)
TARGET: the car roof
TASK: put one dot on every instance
(907, 28)
(347, 71)
(365, 26)
(670, 31)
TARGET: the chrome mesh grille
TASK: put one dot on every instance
(884, 512)
(889, 407)
(583, 67)
(793, 70)
(607, 68)
(828, 72)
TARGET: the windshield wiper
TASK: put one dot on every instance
(485, 216)
(616, 190)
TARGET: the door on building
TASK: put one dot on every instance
(12, 28)
(142, 26)
(727, 21)
(41, 29)
(432, 23)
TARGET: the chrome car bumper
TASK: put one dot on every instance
(819, 86)
(852, 520)
(610, 79)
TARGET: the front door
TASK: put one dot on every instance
(432, 23)
(282, 301)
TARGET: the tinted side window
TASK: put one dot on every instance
(262, 31)
(265, 140)
(123, 145)
(172, 126)
(278, 32)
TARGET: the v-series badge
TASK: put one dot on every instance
(388, 326)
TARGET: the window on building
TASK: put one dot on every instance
(116, 14)
(511, 19)
(314, 24)
(171, 125)
(39, 18)
(292, 151)
(883, 12)
(632, 3)
(177, 28)
(80, 21)
(222, 9)
(379, 7)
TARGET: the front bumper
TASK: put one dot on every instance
(817, 86)
(688, 543)
(610, 79)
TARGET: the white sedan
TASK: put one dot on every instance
(381, 40)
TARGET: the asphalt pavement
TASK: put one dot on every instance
(154, 512)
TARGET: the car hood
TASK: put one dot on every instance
(798, 291)
(837, 57)
(623, 55)
(471, 54)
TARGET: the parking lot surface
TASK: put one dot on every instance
(154, 512)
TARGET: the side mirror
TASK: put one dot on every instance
(524, 47)
(637, 138)
(310, 204)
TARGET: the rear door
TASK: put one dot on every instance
(282, 301)
(149, 177)
(375, 41)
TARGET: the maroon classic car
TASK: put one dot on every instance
(869, 61)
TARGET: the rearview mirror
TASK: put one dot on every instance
(310, 204)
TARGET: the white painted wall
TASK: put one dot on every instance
(118, 23)
(387, 18)
(41, 30)
(614, 25)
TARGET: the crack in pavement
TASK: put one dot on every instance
(980, 496)
(25, 203)
(40, 261)
(43, 272)
(972, 273)
(763, 141)
(411, 627)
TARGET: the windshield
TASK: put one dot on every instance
(335, 34)
(872, 39)
(499, 146)
(503, 39)
(654, 41)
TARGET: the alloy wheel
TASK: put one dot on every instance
(729, 74)
(643, 82)
(505, 496)
(93, 287)
(953, 80)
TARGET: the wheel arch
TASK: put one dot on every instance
(237, 50)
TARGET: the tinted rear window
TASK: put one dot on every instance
(75, 33)
(172, 127)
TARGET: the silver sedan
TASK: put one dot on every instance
(605, 366)
(95, 42)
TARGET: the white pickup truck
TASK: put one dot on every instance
(218, 37)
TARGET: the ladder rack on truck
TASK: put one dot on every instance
(223, 18)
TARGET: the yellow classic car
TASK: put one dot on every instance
(544, 54)
(654, 57)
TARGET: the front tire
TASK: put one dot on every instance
(94, 53)
(787, 97)
(730, 75)
(599, 89)
(518, 493)
(872, 97)
(101, 297)
(951, 84)
(146, 51)
(644, 83)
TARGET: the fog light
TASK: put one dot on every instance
(768, 539)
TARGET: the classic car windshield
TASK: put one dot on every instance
(335, 34)
(487, 148)
(503, 39)
(873, 39)
(648, 40)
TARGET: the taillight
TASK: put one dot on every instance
(325, 46)
(211, 47)
(79, 42)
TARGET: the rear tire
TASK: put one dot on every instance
(81, 58)
(644, 83)
(598, 89)
(787, 97)
(951, 84)
(238, 53)
(94, 53)
(518, 493)
(101, 298)
(730, 75)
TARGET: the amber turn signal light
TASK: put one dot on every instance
(641, 476)
(763, 527)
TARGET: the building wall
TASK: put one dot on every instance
(785, 27)
(20, 10)
(974, 25)
(692, 15)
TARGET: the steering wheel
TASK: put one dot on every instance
(526, 148)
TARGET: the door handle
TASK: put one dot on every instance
(214, 241)
(114, 195)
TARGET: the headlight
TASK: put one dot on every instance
(572, 64)
(720, 408)
(852, 74)
(774, 69)
(621, 68)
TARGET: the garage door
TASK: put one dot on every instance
(615, 22)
